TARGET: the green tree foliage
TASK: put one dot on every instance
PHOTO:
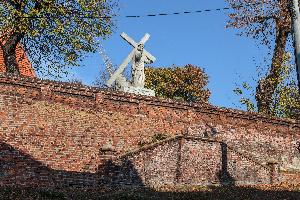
(286, 98)
(268, 21)
(187, 83)
(54, 33)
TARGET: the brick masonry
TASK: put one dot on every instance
(24, 65)
(57, 134)
(187, 160)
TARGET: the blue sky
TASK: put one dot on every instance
(200, 39)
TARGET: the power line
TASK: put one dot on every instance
(149, 15)
(191, 12)
(180, 13)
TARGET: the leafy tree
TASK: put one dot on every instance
(187, 83)
(268, 21)
(54, 33)
(286, 98)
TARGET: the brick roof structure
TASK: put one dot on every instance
(24, 64)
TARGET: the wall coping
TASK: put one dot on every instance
(89, 91)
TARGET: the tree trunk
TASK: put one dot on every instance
(267, 86)
(9, 53)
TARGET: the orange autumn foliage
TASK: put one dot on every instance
(186, 83)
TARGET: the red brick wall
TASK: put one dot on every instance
(187, 160)
(24, 64)
(58, 131)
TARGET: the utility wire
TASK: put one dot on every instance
(179, 13)
(191, 12)
(148, 15)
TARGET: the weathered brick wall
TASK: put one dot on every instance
(62, 128)
(150, 166)
(264, 145)
(24, 65)
(200, 162)
(186, 161)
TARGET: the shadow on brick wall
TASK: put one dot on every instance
(36, 181)
(224, 176)
(20, 169)
(119, 174)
